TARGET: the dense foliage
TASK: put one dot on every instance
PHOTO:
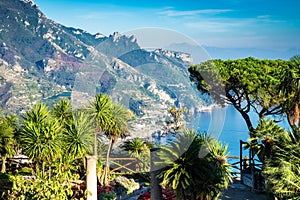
(281, 150)
(139, 149)
(194, 166)
(249, 85)
(7, 138)
(56, 142)
(39, 189)
(269, 88)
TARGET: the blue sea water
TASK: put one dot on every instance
(228, 126)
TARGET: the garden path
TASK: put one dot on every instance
(238, 191)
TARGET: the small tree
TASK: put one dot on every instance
(136, 147)
(78, 135)
(111, 120)
(117, 129)
(41, 136)
(248, 84)
(7, 138)
(175, 121)
(281, 150)
(62, 110)
(290, 90)
(194, 166)
(140, 149)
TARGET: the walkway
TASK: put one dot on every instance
(238, 191)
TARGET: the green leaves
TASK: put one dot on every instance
(112, 120)
(79, 135)
(62, 110)
(100, 109)
(39, 189)
(120, 119)
(248, 84)
(136, 147)
(7, 138)
(41, 135)
(194, 166)
(282, 162)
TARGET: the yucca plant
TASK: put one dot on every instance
(78, 135)
(282, 161)
(62, 110)
(112, 121)
(194, 166)
(41, 136)
(140, 149)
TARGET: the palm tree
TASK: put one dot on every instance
(7, 139)
(78, 135)
(62, 110)
(118, 128)
(296, 59)
(111, 119)
(41, 136)
(140, 149)
(136, 147)
(217, 174)
(282, 163)
(100, 110)
(196, 166)
(177, 163)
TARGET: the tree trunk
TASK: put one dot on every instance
(84, 163)
(293, 116)
(37, 168)
(243, 113)
(247, 120)
(95, 144)
(91, 177)
(106, 169)
(3, 168)
(49, 171)
(43, 168)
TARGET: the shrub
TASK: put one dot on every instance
(39, 189)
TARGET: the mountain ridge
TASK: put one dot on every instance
(41, 59)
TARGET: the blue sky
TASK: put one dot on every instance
(222, 23)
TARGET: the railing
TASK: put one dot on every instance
(123, 165)
(234, 165)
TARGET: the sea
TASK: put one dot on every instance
(227, 125)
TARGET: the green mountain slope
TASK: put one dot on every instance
(39, 59)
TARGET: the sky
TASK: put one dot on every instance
(263, 24)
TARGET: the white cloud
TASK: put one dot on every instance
(178, 13)
(213, 26)
(268, 19)
(226, 24)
